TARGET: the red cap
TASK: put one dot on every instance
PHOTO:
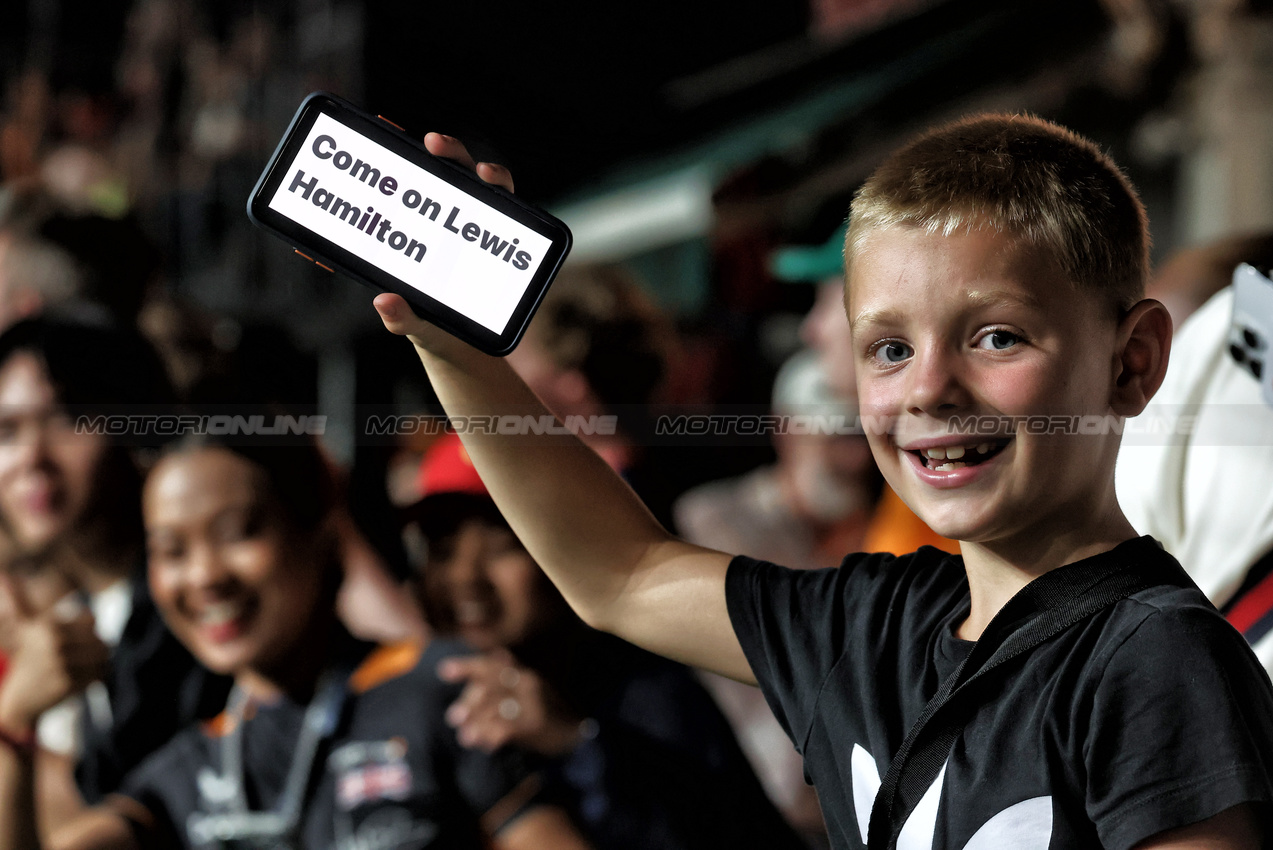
(447, 468)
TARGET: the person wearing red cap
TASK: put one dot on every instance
(637, 750)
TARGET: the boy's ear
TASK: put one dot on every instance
(1143, 342)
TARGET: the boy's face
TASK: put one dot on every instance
(960, 326)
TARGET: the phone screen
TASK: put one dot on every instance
(427, 233)
(353, 192)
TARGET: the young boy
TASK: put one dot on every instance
(995, 270)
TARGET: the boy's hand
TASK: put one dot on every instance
(53, 658)
(453, 149)
(400, 319)
(506, 703)
(394, 311)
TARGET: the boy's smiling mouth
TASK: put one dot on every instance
(955, 457)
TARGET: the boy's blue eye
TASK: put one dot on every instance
(998, 340)
(893, 352)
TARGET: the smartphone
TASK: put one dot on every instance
(353, 192)
(1251, 332)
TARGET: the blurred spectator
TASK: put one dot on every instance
(34, 272)
(825, 328)
(119, 263)
(70, 502)
(1190, 276)
(325, 740)
(814, 504)
(807, 510)
(23, 127)
(1203, 490)
(43, 586)
(217, 364)
(599, 346)
(893, 526)
(50, 256)
(637, 749)
(84, 182)
(197, 348)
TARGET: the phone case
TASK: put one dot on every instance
(354, 193)
(1251, 333)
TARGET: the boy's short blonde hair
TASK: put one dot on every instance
(1051, 189)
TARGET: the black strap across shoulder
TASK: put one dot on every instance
(1042, 609)
(1250, 609)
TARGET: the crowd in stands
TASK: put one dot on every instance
(202, 644)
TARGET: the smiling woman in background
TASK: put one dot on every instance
(70, 515)
(325, 739)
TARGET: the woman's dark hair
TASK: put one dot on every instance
(95, 367)
(299, 475)
(98, 368)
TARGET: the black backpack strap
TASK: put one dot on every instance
(1041, 610)
(1250, 610)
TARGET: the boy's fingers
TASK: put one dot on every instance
(397, 314)
(497, 174)
(448, 147)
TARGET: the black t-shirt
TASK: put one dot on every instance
(391, 776)
(1151, 714)
(156, 689)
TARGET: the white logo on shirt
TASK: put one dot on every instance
(215, 790)
(1024, 826)
(388, 829)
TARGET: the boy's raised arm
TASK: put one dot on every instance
(615, 565)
